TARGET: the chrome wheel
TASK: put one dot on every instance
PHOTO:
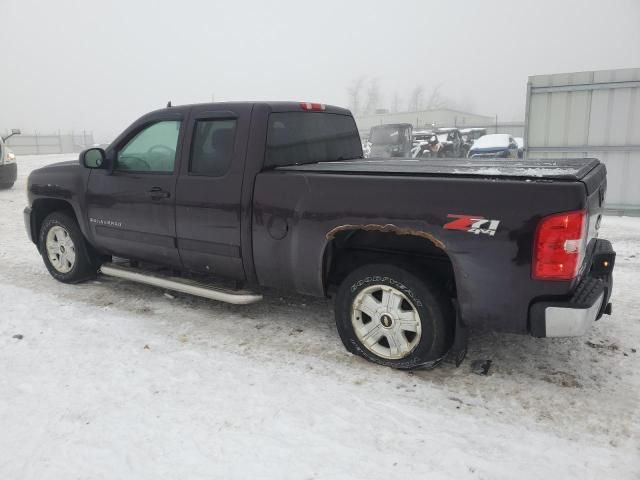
(386, 322)
(61, 250)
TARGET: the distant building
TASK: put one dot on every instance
(442, 117)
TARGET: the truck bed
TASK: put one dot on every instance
(574, 169)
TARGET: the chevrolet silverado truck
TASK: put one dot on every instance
(277, 194)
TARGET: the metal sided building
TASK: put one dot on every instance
(590, 114)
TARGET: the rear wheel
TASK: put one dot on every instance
(392, 316)
(64, 250)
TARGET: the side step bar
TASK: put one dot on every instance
(184, 285)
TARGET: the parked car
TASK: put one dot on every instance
(520, 142)
(427, 145)
(391, 140)
(469, 136)
(8, 166)
(276, 194)
(495, 145)
(452, 142)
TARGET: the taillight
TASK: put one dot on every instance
(312, 106)
(559, 246)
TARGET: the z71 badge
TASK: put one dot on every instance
(472, 224)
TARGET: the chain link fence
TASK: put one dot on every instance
(38, 143)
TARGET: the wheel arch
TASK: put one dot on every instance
(41, 207)
(351, 246)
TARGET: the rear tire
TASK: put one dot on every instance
(394, 317)
(64, 250)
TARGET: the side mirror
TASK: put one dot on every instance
(93, 158)
(14, 131)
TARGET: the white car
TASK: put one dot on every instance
(495, 145)
(8, 167)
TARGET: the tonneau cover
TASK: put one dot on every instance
(562, 169)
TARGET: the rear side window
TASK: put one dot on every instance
(212, 147)
(296, 138)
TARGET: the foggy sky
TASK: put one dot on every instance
(98, 65)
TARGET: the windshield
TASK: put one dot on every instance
(296, 138)
(386, 135)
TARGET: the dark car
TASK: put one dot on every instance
(276, 194)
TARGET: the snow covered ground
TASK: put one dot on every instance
(116, 380)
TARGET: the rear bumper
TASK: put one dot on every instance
(574, 316)
(8, 173)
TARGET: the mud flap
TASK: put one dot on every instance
(458, 350)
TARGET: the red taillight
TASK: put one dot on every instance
(313, 106)
(559, 246)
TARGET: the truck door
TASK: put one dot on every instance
(132, 209)
(209, 190)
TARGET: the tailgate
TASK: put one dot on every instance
(596, 186)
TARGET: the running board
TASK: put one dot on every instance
(184, 285)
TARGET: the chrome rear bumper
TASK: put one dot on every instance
(573, 316)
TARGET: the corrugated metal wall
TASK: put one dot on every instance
(590, 114)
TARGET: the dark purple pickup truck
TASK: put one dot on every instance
(277, 194)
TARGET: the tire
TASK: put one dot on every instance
(64, 250)
(6, 186)
(427, 330)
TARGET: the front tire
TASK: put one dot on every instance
(394, 317)
(64, 250)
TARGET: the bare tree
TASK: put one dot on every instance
(395, 104)
(354, 92)
(436, 100)
(466, 104)
(415, 100)
(373, 97)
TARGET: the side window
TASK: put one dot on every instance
(152, 149)
(212, 147)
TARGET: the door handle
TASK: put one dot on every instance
(156, 193)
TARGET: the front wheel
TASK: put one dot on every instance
(392, 316)
(64, 250)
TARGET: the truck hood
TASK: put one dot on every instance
(57, 165)
(58, 180)
(561, 169)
